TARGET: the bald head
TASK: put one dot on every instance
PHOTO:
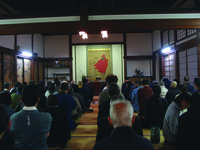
(121, 113)
(173, 84)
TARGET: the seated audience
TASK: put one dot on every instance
(67, 102)
(60, 130)
(6, 86)
(170, 125)
(122, 137)
(4, 126)
(103, 96)
(16, 97)
(127, 89)
(190, 88)
(91, 90)
(173, 91)
(5, 100)
(182, 88)
(143, 95)
(155, 109)
(104, 108)
(135, 85)
(29, 127)
(167, 82)
(124, 85)
(134, 96)
(77, 95)
(51, 90)
(164, 90)
(42, 103)
(104, 127)
(57, 84)
(188, 125)
(77, 112)
(31, 82)
(14, 89)
(84, 91)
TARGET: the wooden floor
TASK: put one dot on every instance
(83, 137)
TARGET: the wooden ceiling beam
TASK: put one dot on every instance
(8, 8)
(94, 27)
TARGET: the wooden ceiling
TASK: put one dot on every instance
(15, 9)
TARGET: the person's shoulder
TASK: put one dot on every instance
(45, 115)
(145, 142)
(15, 114)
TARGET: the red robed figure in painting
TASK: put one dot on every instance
(102, 64)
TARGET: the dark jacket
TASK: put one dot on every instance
(171, 94)
(123, 138)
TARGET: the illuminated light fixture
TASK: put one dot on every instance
(104, 34)
(167, 50)
(27, 54)
(83, 34)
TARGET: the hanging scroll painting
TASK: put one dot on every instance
(99, 62)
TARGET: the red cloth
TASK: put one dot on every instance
(102, 64)
(143, 95)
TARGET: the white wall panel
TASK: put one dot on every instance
(25, 42)
(56, 46)
(38, 44)
(117, 63)
(156, 40)
(139, 44)
(7, 41)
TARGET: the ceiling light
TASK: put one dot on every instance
(104, 34)
(27, 54)
(83, 34)
(167, 50)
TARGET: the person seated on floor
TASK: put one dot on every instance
(14, 89)
(5, 100)
(134, 97)
(91, 90)
(167, 82)
(127, 89)
(29, 127)
(103, 96)
(6, 86)
(170, 124)
(104, 108)
(164, 90)
(189, 122)
(16, 97)
(51, 90)
(190, 88)
(104, 127)
(77, 112)
(144, 94)
(155, 109)
(125, 82)
(84, 91)
(182, 88)
(173, 91)
(123, 137)
(60, 130)
(80, 98)
(68, 103)
(4, 126)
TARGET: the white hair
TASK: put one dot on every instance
(121, 113)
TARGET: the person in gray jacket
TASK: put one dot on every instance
(170, 124)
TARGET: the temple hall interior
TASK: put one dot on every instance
(47, 39)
